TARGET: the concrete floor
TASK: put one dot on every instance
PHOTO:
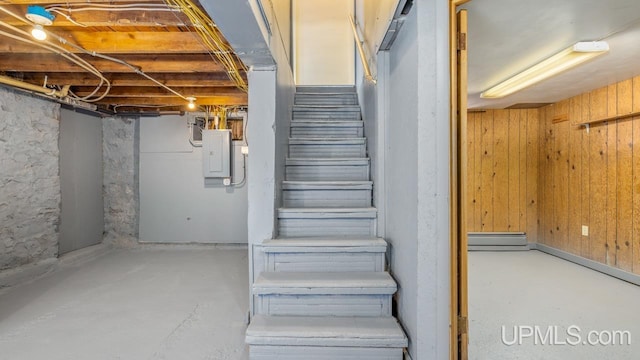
(532, 288)
(148, 303)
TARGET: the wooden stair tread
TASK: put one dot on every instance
(324, 283)
(324, 244)
(325, 331)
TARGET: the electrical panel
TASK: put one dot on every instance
(216, 153)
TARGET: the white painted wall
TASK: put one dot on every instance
(323, 42)
(81, 203)
(407, 126)
(177, 204)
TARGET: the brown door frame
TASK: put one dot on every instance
(458, 159)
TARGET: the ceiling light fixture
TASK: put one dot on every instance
(562, 61)
(40, 17)
(192, 103)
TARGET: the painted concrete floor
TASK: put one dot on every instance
(535, 289)
(148, 303)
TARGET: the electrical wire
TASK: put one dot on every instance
(213, 40)
(64, 53)
(60, 51)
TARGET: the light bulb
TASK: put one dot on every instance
(38, 32)
(192, 104)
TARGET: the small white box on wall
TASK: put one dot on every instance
(216, 153)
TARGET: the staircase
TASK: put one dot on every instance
(324, 292)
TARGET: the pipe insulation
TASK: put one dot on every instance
(31, 87)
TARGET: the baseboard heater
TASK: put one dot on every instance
(497, 241)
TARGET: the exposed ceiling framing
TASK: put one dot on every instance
(162, 44)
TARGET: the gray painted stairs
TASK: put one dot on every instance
(323, 292)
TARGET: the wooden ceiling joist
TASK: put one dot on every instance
(159, 63)
(131, 91)
(119, 43)
(110, 19)
(125, 80)
(239, 100)
(162, 44)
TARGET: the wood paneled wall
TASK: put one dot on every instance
(592, 178)
(503, 171)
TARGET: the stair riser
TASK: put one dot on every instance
(326, 198)
(325, 89)
(325, 262)
(324, 305)
(326, 227)
(325, 100)
(325, 115)
(265, 352)
(325, 131)
(327, 151)
(327, 172)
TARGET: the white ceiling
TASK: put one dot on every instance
(508, 36)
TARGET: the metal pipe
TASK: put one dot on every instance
(27, 86)
(365, 64)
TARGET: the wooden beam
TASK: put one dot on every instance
(147, 18)
(47, 2)
(212, 100)
(159, 92)
(118, 43)
(216, 79)
(157, 63)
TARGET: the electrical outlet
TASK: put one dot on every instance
(585, 230)
(245, 150)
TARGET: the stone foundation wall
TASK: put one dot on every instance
(29, 179)
(120, 183)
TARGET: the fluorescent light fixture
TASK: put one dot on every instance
(564, 60)
(38, 32)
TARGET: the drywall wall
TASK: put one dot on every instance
(401, 166)
(502, 168)
(592, 178)
(281, 20)
(29, 180)
(373, 18)
(177, 204)
(324, 49)
(416, 170)
(120, 140)
(82, 208)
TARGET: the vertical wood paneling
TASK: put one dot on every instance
(471, 170)
(624, 215)
(612, 173)
(513, 167)
(586, 170)
(501, 171)
(545, 181)
(567, 175)
(487, 171)
(532, 161)
(575, 178)
(477, 159)
(636, 178)
(561, 178)
(522, 175)
(598, 178)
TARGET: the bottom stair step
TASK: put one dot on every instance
(301, 331)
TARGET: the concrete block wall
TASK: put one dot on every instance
(120, 182)
(29, 179)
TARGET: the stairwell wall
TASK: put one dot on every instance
(407, 125)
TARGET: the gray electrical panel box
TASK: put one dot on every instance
(216, 153)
